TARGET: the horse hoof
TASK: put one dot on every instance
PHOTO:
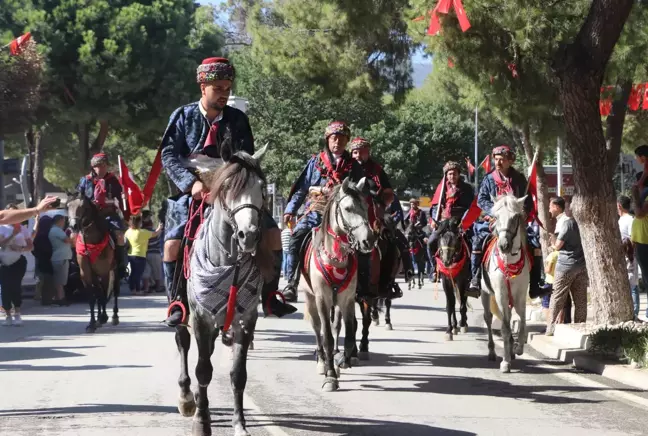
(321, 368)
(187, 406)
(363, 355)
(354, 361)
(115, 320)
(330, 384)
(251, 347)
(339, 359)
(464, 329)
(240, 431)
(455, 331)
(91, 328)
(338, 371)
(201, 428)
(376, 322)
(492, 357)
(505, 367)
(448, 337)
(388, 327)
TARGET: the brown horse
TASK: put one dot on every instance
(96, 258)
(385, 265)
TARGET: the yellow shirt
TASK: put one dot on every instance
(138, 240)
(639, 232)
(550, 264)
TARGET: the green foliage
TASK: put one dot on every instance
(345, 46)
(631, 343)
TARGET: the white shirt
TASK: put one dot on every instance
(625, 225)
(203, 111)
(7, 255)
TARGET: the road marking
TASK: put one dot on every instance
(571, 377)
(273, 428)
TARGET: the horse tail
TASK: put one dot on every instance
(494, 308)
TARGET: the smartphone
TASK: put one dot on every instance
(56, 204)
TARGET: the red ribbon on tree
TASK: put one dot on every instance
(645, 97)
(636, 95)
(605, 104)
(443, 7)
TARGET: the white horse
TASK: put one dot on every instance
(331, 273)
(505, 281)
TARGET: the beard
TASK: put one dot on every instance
(216, 105)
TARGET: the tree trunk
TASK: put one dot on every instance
(39, 167)
(580, 67)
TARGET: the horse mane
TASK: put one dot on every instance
(326, 214)
(232, 178)
(451, 224)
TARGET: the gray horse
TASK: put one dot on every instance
(331, 273)
(224, 284)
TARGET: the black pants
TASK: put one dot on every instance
(11, 281)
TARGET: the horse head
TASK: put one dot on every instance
(508, 212)
(450, 240)
(239, 190)
(347, 213)
(80, 210)
(411, 235)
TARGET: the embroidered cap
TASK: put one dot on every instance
(215, 69)
(337, 128)
(359, 143)
(451, 165)
(98, 159)
(504, 150)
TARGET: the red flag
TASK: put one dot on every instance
(131, 189)
(152, 178)
(443, 7)
(471, 215)
(645, 97)
(486, 164)
(470, 166)
(636, 94)
(533, 192)
(16, 46)
(437, 194)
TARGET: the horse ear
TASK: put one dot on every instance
(521, 201)
(259, 154)
(362, 186)
(345, 185)
(226, 150)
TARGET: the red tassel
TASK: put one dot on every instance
(231, 308)
(461, 15)
(443, 7)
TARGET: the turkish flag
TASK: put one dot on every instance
(470, 166)
(152, 178)
(471, 215)
(533, 192)
(132, 191)
(486, 164)
(16, 46)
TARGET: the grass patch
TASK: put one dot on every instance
(625, 343)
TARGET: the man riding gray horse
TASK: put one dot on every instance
(200, 128)
(502, 181)
(322, 173)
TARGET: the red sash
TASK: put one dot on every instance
(334, 173)
(92, 251)
(503, 184)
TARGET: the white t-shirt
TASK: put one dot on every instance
(7, 255)
(625, 225)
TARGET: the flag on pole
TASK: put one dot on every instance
(153, 177)
(486, 164)
(16, 46)
(134, 200)
(532, 190)
(471, 215)
(470, 166)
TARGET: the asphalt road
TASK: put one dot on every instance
(58, 380)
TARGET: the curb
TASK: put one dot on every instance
(614, 371)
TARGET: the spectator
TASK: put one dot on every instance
(625, 226)
(153, 269)
(14, 240)
(550, 270)
(61, 256)
(138, 240)
(42, 256)
(285, 241)
(639, 231)
(571, 272)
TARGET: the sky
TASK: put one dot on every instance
(417, 59)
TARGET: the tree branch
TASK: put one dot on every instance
(98, 143)
(615, 122)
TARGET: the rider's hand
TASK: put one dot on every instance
(289, 220)
(487, 218)
(46, 203)
(197, 190)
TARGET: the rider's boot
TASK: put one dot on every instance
(474, 290)
(271, 304)
(121, 258)
(535, 291)
(364, 274)
(175, 317)
(293, 266)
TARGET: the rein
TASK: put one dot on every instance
(452, 271)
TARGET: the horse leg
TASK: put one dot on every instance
(337, 328)
(375, 316)
(488, 319)
(186, 402)
(330, 380)
(421, 274)
(238, 374)
(450, 308)
(116, 292)
(313, 316)
(350, 327)
(520, 309)
(463, 309)
(388, 324)
(507, 337)
(205, 337)
(366, 322)
(92, 327)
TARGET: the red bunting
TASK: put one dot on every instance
(636, 94)
(470, 166)
(605, 103)
(152, 178)
(16, 46)
(645, 97)
(443, 7)
(486, 164)
(533, 192)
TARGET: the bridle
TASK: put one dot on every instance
(344, 225)
(512, 228)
